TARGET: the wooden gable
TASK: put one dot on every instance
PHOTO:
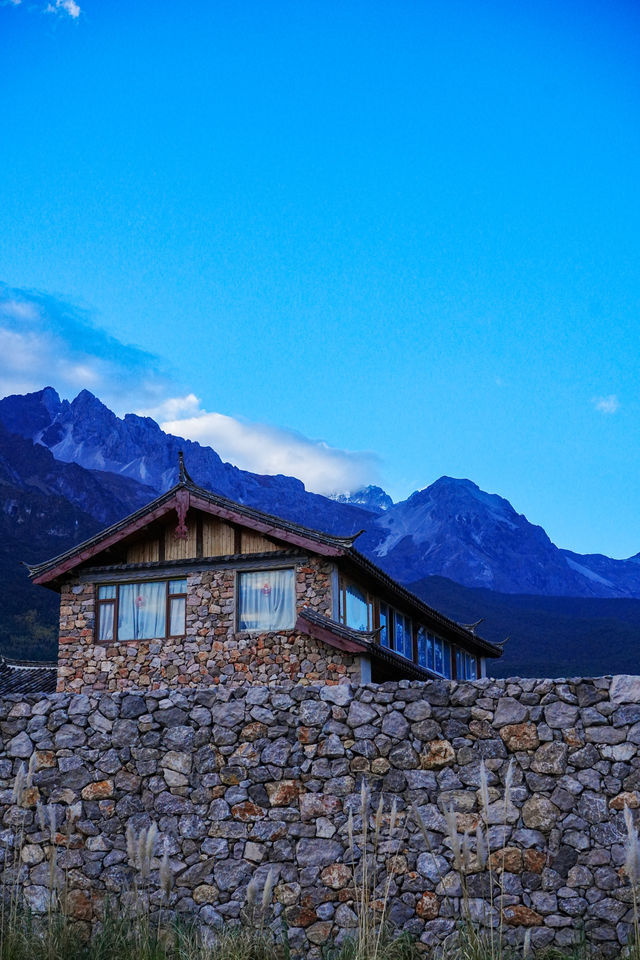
(187, 523)
(207, 536)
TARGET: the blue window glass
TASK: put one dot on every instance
(438, 658)
(422, 646)
(403, 635)
(446, 656)
(355, 607)
(385, 639)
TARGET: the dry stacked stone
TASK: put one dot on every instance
(244, 779)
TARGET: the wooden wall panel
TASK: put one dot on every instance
(145, 551)
(254, 543)
(180, 549)
(217, 538)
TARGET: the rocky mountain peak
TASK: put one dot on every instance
(370, 497)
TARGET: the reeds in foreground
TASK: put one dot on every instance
(373, 884)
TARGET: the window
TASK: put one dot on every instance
(403, 635)
(396, 631)
(442, 657)
(147, 610)
(385, 626)
(423, 647)
(266, 600)
(434, 653)
(355, 607)
(466, 666)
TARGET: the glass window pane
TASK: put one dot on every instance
(398, 631)
(266, 600)
(438, 659)
(357, 607)
(385, 640)
(408, 638)
(422, 646)
(142, 611)
(430, 641)
(107, 592)
(403, 637)
(446, 655)
(472, 667)
(105, 621)
(177, 586)
(177, 610)
(461, 665)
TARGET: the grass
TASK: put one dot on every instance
(130, 929)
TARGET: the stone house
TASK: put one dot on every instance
(194, 589)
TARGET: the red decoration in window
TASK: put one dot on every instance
(266, 589)
(140, 601)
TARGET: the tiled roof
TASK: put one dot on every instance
(24, 676)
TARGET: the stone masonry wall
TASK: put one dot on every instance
(243, 779)
(212, 652)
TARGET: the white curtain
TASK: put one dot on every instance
(106, 622)
(266, 600)
(142, 611)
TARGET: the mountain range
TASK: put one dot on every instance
(68, 468)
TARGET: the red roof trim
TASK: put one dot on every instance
(288, 536)
(327, 636)
(95, 548)
(199, 503)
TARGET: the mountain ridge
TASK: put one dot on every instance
(466, 552)
(450, 528)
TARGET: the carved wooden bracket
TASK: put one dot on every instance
(182, 505)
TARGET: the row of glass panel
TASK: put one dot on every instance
(356, 609)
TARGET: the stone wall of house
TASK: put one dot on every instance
(212, 651)
(244, 779)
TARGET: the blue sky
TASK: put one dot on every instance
(371, 241)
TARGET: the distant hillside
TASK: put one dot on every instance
(549, 636)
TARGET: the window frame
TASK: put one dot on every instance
(372, 613)
(236, 592)
(115, 603)
(380, 609)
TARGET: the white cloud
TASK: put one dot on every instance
(608, 404)
(174, 408)
(262, 448)
(46, 342)
(64, 7)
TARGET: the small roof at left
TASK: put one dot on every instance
(27, 676)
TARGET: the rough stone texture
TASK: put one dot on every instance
(211, 653)
(244, 778)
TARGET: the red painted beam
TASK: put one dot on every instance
(261, 526)
(327, 636)
(101, 545)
